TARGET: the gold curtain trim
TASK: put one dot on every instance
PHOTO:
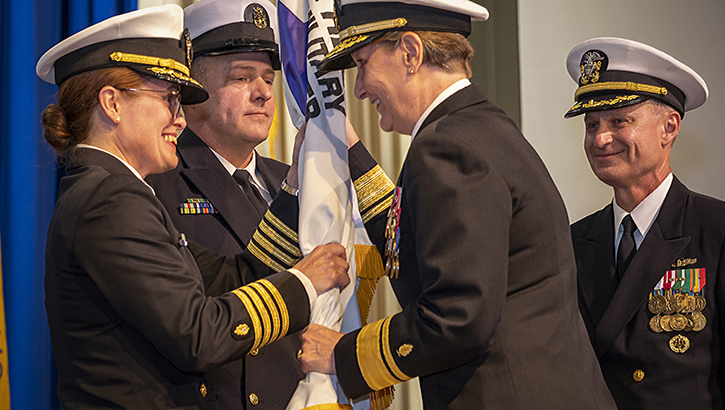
(374, 26)
(620, 85)
(148, 60)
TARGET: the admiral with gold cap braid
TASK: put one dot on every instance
(135, 40)
(222, 27)
(615, 72)
(363, 21)
(656, 242)
(489, 309)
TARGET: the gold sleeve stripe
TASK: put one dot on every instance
(266, 259)
(280, 303)
(370, 358)
(263, 313)
(372, 186)
(253, 315)
(388, 354)
(377, 209)
(272, 309)
(273, 250)
(292, 248)
(277, 223)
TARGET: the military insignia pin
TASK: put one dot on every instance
(257, 15)
(593, 61)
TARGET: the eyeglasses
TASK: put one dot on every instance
(172, 98)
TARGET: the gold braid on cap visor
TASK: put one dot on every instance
(620, 86)
(370, 27)
(155, 61)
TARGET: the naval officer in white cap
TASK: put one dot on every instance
(235, 58)
(130, 324)
(651, 263)
(478, 241)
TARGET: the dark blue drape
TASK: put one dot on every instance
(28, 181)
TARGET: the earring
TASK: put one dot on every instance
(411, 71)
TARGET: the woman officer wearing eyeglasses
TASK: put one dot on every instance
(130, 325)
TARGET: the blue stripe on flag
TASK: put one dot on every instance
(293, 49)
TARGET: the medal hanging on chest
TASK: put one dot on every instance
(677, 303)
(392, 236)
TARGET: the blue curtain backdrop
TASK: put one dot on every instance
(28, 181)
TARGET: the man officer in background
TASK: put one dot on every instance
(221, 189)
(650, 264)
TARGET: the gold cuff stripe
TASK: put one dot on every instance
(620, 86)
(272, 309)
(148, 60)
(263, 313)
(273, 251)
(377, 209)
(370, 358)
(292, 248)
(280, 303)
(253, 315)
(374, 183)
(374, 26)
(389, 354)
(264, 258)
(277, 223)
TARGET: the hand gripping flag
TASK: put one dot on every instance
(328, 206)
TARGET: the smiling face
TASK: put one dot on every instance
(146, 133)
(381, 78)
(630, 146)
(239, 112)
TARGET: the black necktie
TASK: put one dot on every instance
(627, 248)
(242, 178)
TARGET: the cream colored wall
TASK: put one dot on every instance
(691, 31)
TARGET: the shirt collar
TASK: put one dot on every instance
(132, 169)
(454, 88)
(646, 211)
(251, 168)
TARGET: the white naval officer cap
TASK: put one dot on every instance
(233, 26)
(363, 21)
(615, 72)
(150, 41)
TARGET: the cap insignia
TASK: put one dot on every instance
(258, 15)
(592, 62)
